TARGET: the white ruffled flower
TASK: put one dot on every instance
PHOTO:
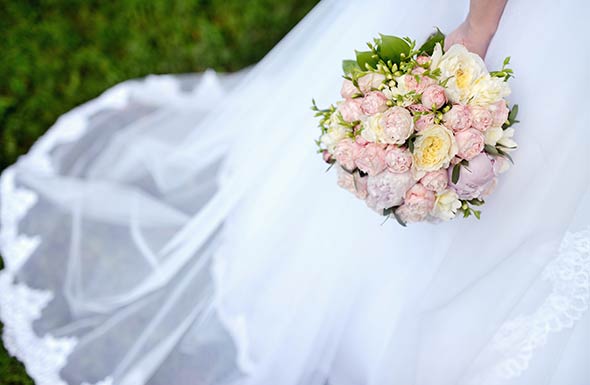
(373, 128)
(446, 205)
(487, 90)
(462, 68)
(336, 132)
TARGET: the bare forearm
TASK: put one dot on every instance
(484, 15)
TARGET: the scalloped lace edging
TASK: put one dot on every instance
(20, 305)
(569, 276)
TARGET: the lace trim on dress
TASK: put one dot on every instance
(569, 275)
(20, 305)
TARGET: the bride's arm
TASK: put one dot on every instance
(479, 27)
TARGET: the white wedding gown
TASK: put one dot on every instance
(182, 230)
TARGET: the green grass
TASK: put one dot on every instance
(57, 54)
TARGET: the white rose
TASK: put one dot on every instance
(336, 132)
(434, 148)
(462, 68)
(373, 128)
(446, 205)
(488, 90)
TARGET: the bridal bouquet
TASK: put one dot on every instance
(420, 134)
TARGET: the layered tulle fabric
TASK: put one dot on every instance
(182, 230)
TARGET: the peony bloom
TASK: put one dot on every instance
(398, 125)
(446, 205)
(371, 159)
(436, 181)
(414, 81)
(422, 60)
(501, 165)
(434, 148)
(481, 118)
(488, 90)
(372, 129)
(474, 179)
(462, 68)
(418, 203)
(500, 112)
(398, 159)
(346, 152)
(370, 82)
(388, 189)
(350, 110)
(470, 143)
(353, 183)
(458, 118)
(374, 102)
(348, 89)
(434, 97)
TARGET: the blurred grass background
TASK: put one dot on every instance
(57, 54)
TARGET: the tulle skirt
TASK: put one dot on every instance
(182, 230)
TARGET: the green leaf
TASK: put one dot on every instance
(392, 48)
(350, 66)
(491, 150)
(456, 173)
(397, 217)
(364, 58)
(477, 214)
(512, 115)
(430, 43)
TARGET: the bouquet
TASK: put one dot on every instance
(420, 134)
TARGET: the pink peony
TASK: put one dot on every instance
(499, 112)
(350, 110)
(474, 179)
(348, 89)
(458, 118)
(398, 125)
(434, 96)
(370, 82)
(481, 118)
(423, 59)
(374, 102)
(361, 141)
(418, 203)
(398, 159)
(415, 81)
(388, 189)
(371, 159)
(470, 143)
(346, 152)
(353, 183)
(436, 181)
(424, 121)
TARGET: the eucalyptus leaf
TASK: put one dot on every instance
(491, 150)
(392, 47)
(430, 43)
(512, 115)
(456, 173)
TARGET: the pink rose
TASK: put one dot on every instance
(474, 179)
(415, 81)
(436, 181)
(422, 60)
(374, 102)
(388, 189)
(348, 89)
(418, 203)
(370, 82)
(481, 118)
(434, 96)
(346, 152)
(499, 112)
(398, 125)
(470, 143)
(350, 110)
(371, 159)
(424, 121)
(458, 118)
(398, 159)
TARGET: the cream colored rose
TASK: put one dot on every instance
(446, 205)
(462, 68)
(488, 90)
(336, 133)
(434, 148)
(373, 128)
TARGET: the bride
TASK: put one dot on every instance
(181, 230)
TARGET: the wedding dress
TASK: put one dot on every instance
(182, 230)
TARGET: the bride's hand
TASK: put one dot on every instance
(479, 28)
(474, 40)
